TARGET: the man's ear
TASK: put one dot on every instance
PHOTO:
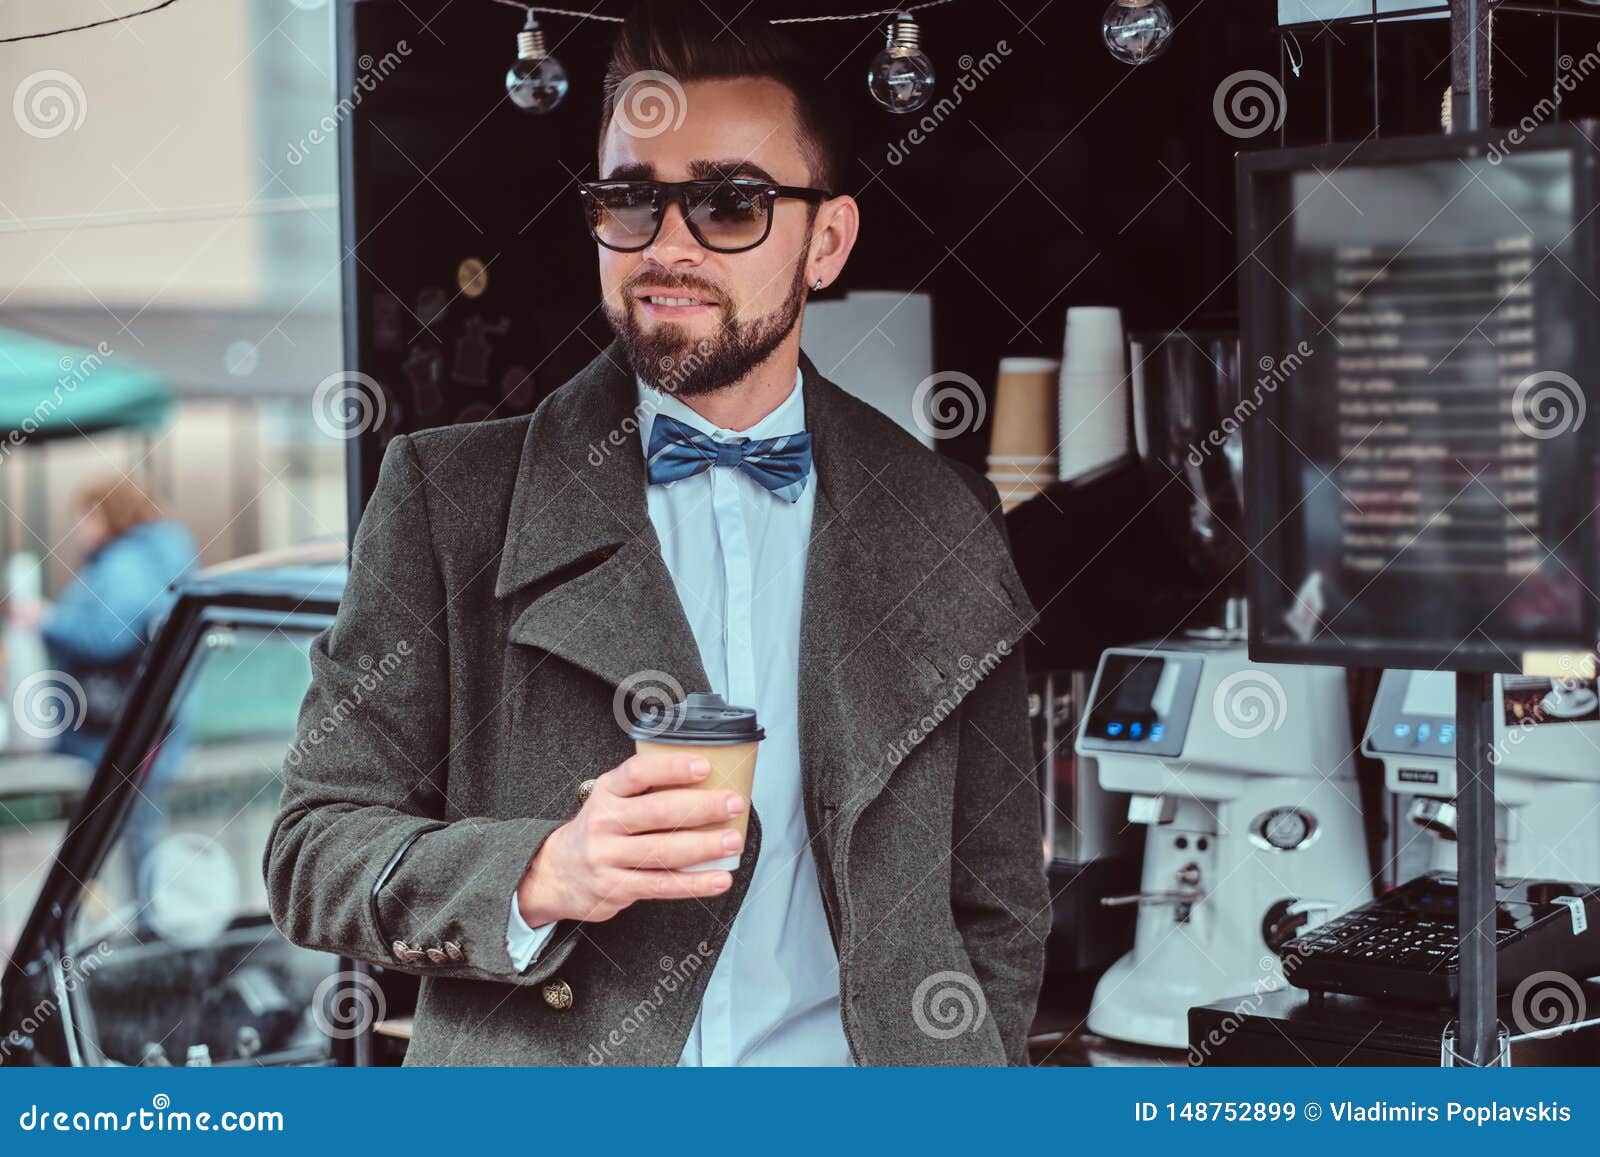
(833, 237)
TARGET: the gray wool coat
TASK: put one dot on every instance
(505, 583)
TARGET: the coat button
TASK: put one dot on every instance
(453, 951)
(405, 953)
(558, 994)
(437, 956)
(584, 789)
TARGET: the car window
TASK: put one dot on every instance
(39, 792)
(172, 947)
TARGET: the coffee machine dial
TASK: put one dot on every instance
(1284, 829)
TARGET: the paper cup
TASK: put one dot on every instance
(1024, 418)
(727, 736)
(733, 768)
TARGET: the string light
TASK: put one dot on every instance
(1136, 31)
(536, 82)
(92, 24)
(900, 77)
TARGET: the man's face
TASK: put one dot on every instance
(743, 304)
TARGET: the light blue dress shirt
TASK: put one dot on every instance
(737, 555)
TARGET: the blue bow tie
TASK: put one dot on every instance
(678, 450)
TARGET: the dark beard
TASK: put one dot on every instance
(670, 361)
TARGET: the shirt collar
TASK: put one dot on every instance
(788, 418)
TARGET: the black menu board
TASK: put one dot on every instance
(1421, 316)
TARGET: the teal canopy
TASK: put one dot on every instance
(49, 390)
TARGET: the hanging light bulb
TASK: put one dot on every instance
(1136, 31)
(901, 76)
(536, 82)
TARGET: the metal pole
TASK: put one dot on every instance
(1327, 89)
(1377, 116)
(1469, 64)
(1555, 60)
(1283, 82)
(1478, 1034)
(1478, 1027)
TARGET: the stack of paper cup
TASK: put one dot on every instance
(1022, 449)
(1094, 391)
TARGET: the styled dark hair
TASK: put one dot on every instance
(687, 42)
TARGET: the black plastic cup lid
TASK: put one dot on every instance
(704, 717)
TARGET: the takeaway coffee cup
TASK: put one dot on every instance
(726, 736)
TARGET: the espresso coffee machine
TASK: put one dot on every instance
(1115, 552)
(1090, 851)
(1547, 773)
(1243, 775)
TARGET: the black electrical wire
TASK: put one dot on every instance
(878, 13)
(92, 24)
(510, 3)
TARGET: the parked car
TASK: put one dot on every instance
(151, 943)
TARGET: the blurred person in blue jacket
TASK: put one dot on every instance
(97, 633)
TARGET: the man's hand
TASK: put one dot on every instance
(628, 841)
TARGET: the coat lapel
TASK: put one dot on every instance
(579, 544)
(910, 598)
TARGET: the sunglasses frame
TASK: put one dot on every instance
(668, 193)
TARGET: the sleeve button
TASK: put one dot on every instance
(558, 994)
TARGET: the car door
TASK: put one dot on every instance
(151, 944)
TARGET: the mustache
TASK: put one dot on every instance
(675, 281)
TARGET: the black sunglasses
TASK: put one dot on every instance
(726, 216)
